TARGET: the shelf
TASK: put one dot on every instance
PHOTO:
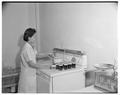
(10, 75)
(9, 85)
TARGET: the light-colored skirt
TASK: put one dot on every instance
(27, 81)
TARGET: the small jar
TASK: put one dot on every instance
(60, 67)
(65, 66)
(53, 66)
(57, 66)
(69, 65)
(73, 65)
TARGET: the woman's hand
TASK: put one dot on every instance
(33, 65)
(39, 56)
(51, 55)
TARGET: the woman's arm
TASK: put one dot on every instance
(38, 56)
(33, 65)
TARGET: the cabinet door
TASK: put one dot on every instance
(69, 82)
(42, 84)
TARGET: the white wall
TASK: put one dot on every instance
(90, 27)
(16, 17)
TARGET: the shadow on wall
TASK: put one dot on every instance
(21, 43)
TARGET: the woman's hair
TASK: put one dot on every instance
(28, 33)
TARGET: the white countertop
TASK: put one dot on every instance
(45, 68)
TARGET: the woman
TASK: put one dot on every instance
(27, 81)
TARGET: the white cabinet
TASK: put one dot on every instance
(43, 83)
(60, 83)
(68, 82)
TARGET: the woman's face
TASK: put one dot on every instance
(32, 40)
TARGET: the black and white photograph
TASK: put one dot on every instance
(60, 47)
